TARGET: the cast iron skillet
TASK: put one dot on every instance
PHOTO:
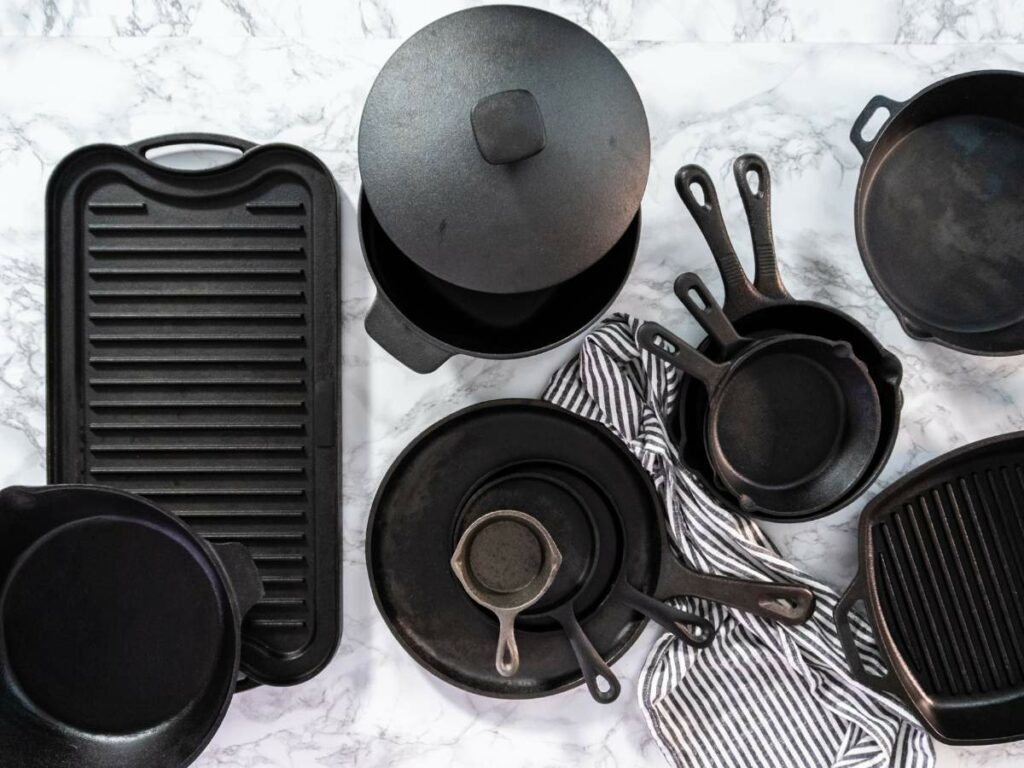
(942, 577)
(601, 508)
(938, 210)
(119, 630)
(793, 420)
(423, 320)
(765, 308)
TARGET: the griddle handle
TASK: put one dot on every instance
(145, 146)
(696, 297)
(401, 340)
(243, 576)
(887, 683)
(790, 604)
(655, 339)
(758, 206)
(688, 627)
(592, 665)
(857, 131)
(740, 296)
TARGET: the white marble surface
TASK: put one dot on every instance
(81, 71)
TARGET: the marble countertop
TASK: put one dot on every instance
(784, 78)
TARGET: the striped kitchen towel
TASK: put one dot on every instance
(762, 695)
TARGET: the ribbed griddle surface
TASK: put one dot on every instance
(199, 317)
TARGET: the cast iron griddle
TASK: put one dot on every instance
(192, 359)
(942, 572)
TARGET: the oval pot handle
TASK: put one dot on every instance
(243, 576)
(887, 683)
(856, 132)
(401, 340)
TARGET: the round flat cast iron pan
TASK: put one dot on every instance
(604, 515)
(764, 308)
(941, 575)
(119, 630)
(793, 420)
(938, 210)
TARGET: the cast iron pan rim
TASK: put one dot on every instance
(436, 342)
(231, 599)
(921, 331)
(603, 433)
(883, 452)
(868, 518)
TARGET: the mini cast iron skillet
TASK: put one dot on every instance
(938, 210)
(764, 308)
(119, 630)
(604, 514)
(942, 577)
(793, 420)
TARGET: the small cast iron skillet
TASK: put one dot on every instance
(938, 210)
(765, 308)
(600, 507)
(793, 420)
(119, 630)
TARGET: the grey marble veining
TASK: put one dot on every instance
(83, 71)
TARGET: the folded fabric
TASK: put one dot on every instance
(763, 695)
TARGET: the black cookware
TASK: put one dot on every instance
(192, 357)
(764, 308)
(604, 514)
(503, 152)
(942, 576)
(119, 630)
(938, 210)
(792, 420)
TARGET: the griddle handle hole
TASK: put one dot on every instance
(874, 124)
(871, 121)
(192, 157)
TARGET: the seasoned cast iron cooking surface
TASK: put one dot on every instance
(939, 210)
(119, 630)
(192, 358)
(504, 78)
(568, 474)
(942, 574)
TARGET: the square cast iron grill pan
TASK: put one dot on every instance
(942, 576)
(192, 322)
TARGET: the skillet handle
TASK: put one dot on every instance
(790, 604)
(399, 339)
(592, 666)
(688, 627)
(170, 139)
(856, 132)
(758, 206)
(887, 683)
(740, 296)
(506, 658)
(706, 311)
(243, 576)
(654, 338)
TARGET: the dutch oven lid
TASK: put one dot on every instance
(504, 149)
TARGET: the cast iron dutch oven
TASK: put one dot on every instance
(503, 152)
(119, 630)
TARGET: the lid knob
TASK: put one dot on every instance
(508, 126)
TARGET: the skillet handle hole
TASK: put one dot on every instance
(698, 299)
(870, 129)
(697, 190)
(754, 181)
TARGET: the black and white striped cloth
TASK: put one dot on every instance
(762, 695)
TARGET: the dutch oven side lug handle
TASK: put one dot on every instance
(243, 576)
(387, 327)
(854, 594)
(856, 132)
(142, 148)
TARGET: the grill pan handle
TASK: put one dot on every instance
(790, 604)
(406, 344)
(758, 206)
(740, 296)
(887, 683)
(143, 147)
(876, 103)
(651, 336)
